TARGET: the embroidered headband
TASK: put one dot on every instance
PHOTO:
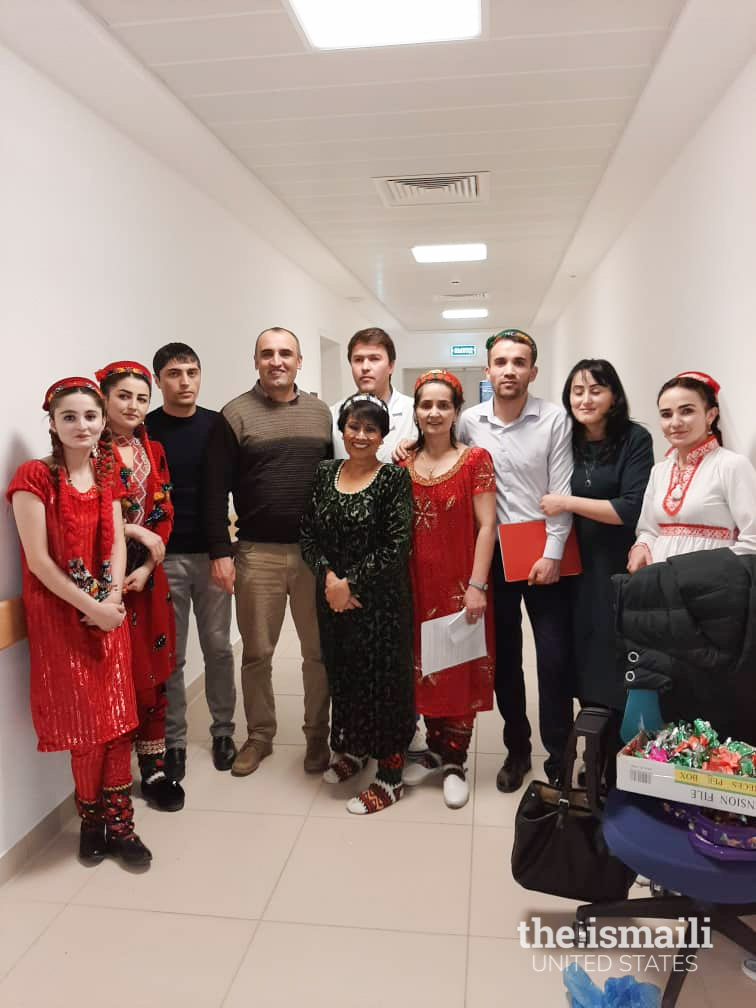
(68, 383)
(363, 397)
(702, 377)
(442, 375)
(124, 368)
(518, 335)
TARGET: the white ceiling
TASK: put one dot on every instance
(539, 102)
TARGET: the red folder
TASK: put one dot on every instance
(522, 543)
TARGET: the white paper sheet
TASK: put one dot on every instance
(449, 640)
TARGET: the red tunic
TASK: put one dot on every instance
(81, 686)
(441, 560)
(150, 612)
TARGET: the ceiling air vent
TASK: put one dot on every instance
(476, 297)
(433, 190)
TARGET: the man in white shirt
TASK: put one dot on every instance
(530, 442)
(372, 355)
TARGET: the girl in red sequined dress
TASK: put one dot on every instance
(454, 532)
(68, 514)
(148, 513)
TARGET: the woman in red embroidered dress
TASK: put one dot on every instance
(454, 495)
(701, 496)
(73, 557)
(148, 514)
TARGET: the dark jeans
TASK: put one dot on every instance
(549, 611)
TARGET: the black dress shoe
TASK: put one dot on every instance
(175, 764)
(511, 775)
(224, 752)
(163, 794)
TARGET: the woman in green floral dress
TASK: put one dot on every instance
(356, 537)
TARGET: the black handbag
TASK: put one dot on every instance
(559, 846)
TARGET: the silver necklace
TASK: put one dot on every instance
(589, 465)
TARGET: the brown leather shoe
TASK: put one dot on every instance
(318, 756)
(250, 756)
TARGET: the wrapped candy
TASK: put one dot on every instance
(722, 760)
(696, 746)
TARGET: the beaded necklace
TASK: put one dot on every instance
(681, 476)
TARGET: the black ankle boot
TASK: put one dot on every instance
(164, 794)
(121, 840)
(130, 849)
(92, 840)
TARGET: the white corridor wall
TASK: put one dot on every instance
(678, 289)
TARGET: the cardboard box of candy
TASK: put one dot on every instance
(687, 763)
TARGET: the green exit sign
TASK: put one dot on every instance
(464, 350)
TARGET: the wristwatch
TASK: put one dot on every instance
(477, 584)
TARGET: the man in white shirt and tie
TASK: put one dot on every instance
(530, 442)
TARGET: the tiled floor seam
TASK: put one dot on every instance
(363, 927)
(27, 950)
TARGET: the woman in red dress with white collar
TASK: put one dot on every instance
(701, 496)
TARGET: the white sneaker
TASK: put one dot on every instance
(418, 744)
(456, 790)
(749, 968)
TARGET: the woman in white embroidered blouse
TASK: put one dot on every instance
(701, 496)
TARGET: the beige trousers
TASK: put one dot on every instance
(266, 574)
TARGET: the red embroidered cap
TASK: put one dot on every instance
(124, 367)
(702, 377)
(68, 383)
(442, 375)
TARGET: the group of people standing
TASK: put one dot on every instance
(369, 519)
(114, 552)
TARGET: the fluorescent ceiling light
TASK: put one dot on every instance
(465, 313)
(354, 24)
(450, 253)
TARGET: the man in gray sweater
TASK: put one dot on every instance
(264, 450)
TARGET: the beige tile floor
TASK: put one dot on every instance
(265, 892)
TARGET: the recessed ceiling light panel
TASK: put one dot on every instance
(357, 24)
(459, 313)
(474, 252)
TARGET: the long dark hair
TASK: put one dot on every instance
(706, 392)
(617, 418)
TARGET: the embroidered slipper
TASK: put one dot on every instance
(421, 769)
(344, 767)
(376, 797)
(456, 788)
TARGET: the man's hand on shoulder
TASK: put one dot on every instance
(403, 450)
